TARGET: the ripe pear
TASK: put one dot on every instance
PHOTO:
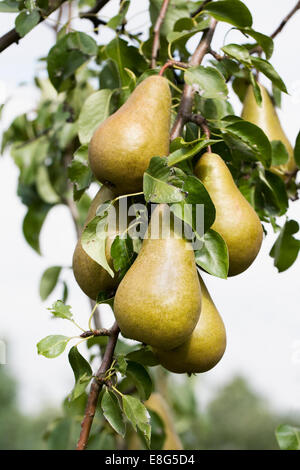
(236, 221)
(204, 348)
(123, 145)
(266, 117)
(158, 301)
(90, 276)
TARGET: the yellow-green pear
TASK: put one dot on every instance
(204, 348)
(90, 276)
(236, 221)
(266, 117)
(158, 301)
(123, 145)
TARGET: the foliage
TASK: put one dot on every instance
(87, 81)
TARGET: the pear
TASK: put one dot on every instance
(158, 301)
(236, 221)
(265, 117)
(204, 348)
(123, 145)
(90, 276)
(159, 405)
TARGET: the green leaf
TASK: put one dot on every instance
(32, 224)
(187, 150)
(143, 356)
(69, 53)
(138, 415)
(9, 6)
(112, 412)
(141, 378)
(44, 186)
(230, 11)
(254, 141)
(60, 310)
(188, 211)
(176, 10)
(157, 183)
(286, 248)
(118, 19)
(82, 372)
(280, 154)
(297, 151)
(122, 253)
(158, 431)
(94, 111)
(274, 193)
(26, 21)
(59, 438)
(52, 346)
(126, 57)
(266, 42)
(79, 171)
(208, 81)
(288, 437)
(238, 52)
(184, 35)
(48, 281)
(268, 70)
(213, 256)
(256, 89)
(93, 239)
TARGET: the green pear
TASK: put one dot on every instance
(266, 117)
(204, 348)
(159, 405)
(90, 276)
(158, 301)
(236, 220)
(123, 145)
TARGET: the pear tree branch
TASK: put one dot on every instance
(186, 103)
(92, 13)
(157, 28)
(96, 388)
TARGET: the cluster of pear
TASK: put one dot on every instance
(162, 300)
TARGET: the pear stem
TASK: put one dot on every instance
(201, 122)
(186, 104)
(157, 28)
(96, 387)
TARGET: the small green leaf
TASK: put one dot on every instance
(48, 281)
(297, 151)
(231, 11)
(286, 248)
(143, 356)
(9, 6)
(238, 52)
(26, 21)
(266, 42)
(60, 310)
(157, 186)
(94, 111)
(288, 437)
(188, 151)
(52, 346)
(256, 89)
(280, 154)
(208, 81)
(59, 438)
(138, 415)
(213, 256)
(184, 35)
(141, 378)
(268, 70)
(122, 253)
(32, 224)
(44, 186)
(82, 372)
(112, 412)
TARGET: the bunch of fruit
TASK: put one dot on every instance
(162, 300)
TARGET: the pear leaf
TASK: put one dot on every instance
(95, 110)
(32, 224)
(297, 151)
(238, 52)
(138, 415)
(157, 183)
(52, 346)
(213, 256)
(112, 412)
(26, 21)
(288, 437)
(268, 70)
(48, 281)
(208, 81)
(60, 310)
(280, 154)
(141, 378)
(231, 11)
(82, 372)
(286, 248)
(266, 42)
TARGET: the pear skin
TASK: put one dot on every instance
(123, 145)
(236, 220)
(204, 348)
(90, 276)
(266, 117)
(158, 301)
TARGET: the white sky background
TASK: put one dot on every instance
(260, 307)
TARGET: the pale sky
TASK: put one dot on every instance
(260, 308)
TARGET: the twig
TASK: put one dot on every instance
(13, 36)
(173, 63)
(280, 27)
(157, 27)
(201, 121)
(92, 13)
(96, 387)
(195, 13)
(101, 332)
(186, 104)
